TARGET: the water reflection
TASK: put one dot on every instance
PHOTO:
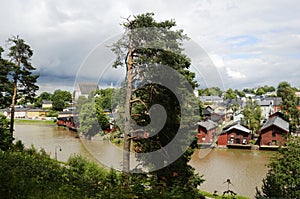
(48, 138)
(245, 169)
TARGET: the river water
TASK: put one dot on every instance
(244, 168)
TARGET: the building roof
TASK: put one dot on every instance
(208, 110)
(276, 100)
(208, 124)
(277, 121)
(17, 110)
(210, 98)
(87, 88)
(265, 102)
(37, 110)
(46, 102)
(237, 126)
(229, 102)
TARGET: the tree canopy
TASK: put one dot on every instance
(20, 73)
(283, 177)
(60, 98)
(252, 115)
(289, 104)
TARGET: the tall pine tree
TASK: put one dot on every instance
(148, 43)
(21, 73)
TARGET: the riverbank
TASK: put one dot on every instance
(28, 121)
(216, 196)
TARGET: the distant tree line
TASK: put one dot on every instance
(235, 93)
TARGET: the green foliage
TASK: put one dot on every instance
(27, 173)
(249, 90)
(283, 177)
(289, 104)
(105, 98)
(21, 69)
(88, 120)
(252, 115)
(260, 91)
(43, 96)
(60, 99)
(52, 113)
(239, 93)
(6, 138)
(213, 91)
(17, 77)
(215, 195)
(91, 115)
(230, 94)
(6, 85)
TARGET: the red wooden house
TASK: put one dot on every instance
(207, 130)
(274, 131)
(234, 134)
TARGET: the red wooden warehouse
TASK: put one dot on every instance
(234, 134)
(207, 130)
(274, 131)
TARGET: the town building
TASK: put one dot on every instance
(20, 112)
(84, 89)
(36, 113)
(274, 131)
(46, 104)
(211, 99)
(234, 135)
(207, 131)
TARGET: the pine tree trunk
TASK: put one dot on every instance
(13, 101)
(12, 112)
(126, 146)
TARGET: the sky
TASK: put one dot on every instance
(233, 43)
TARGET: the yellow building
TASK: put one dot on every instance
(36, 113)
(46, 104)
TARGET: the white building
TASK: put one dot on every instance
(84, 89)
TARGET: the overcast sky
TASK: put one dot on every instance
(250, 43)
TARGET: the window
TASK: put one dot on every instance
(273, 134)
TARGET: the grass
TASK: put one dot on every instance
(210, 195)
(27, 121)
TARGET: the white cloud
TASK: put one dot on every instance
(235, 75)
(217, 60)
(62, 33)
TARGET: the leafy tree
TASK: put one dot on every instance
(41, 97)
(138, 57)
(105, 98)
(91, 115)
(260, 91)
(239, 93)
(6, 86)
(60, 98)
(6, 137)
(289, 104)
(21, 73)
(252, 115)
(88, 120)
(249, 90)
(80, 102)
(100, 103)
(283, 177)
(269, 88)
(213, 91)
(230, 94)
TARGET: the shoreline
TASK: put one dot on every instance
(36, 122)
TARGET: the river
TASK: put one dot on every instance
(244, 168)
